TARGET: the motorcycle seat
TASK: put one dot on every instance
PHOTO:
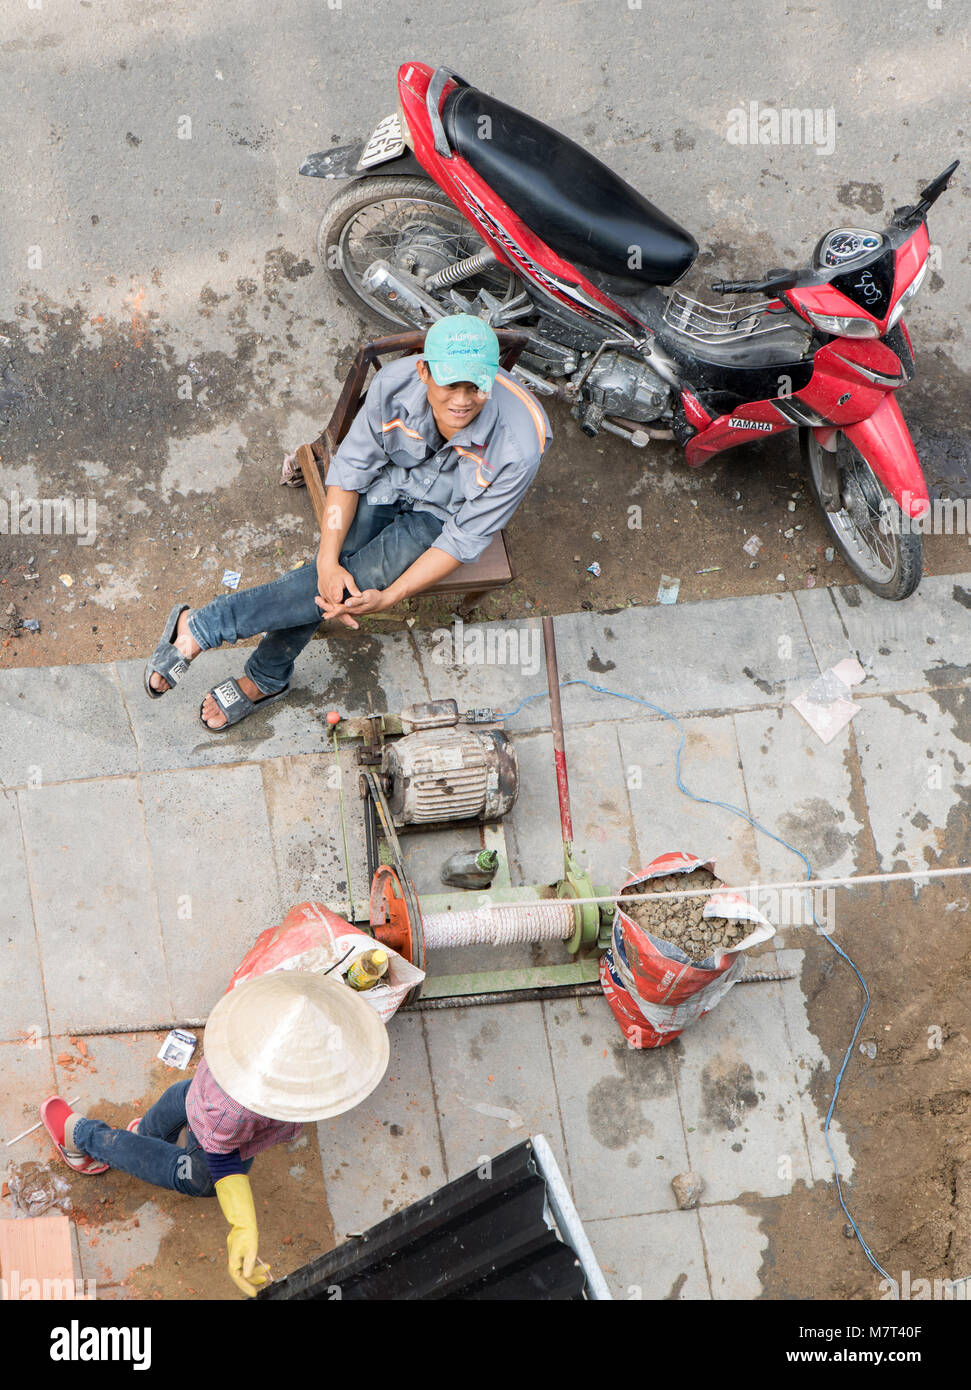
(578, 205)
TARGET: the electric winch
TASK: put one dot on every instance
(431, 768)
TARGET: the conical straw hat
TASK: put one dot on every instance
(296, 1046)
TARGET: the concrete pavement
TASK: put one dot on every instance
(142, 857)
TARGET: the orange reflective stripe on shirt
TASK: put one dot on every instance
(479, 462)
(530, 406)
(400, 425)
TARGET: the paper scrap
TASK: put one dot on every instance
(231, 579)
(177, 1049)
(826, 706)
(495, 1112)
(667, 591)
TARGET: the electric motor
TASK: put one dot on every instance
(449, 774)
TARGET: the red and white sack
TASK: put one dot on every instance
(313, 938)
(653, 988)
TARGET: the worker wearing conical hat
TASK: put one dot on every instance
(279, 1050)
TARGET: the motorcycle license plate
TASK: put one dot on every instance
(385, 143)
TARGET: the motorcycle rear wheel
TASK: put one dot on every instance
(409, 222)
(865, 523)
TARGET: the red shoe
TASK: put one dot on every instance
(55, 1113)
(133, 1125)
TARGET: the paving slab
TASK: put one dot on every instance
(904, 646)
(113, 1250)
(303, 810)
(494, 1083)
(677, 656)
(802, 790)
(651, 1257)
(94, 905)
(170, 735)
(914, 751)
(21, 982)
(620, 1113)
(664, 818)
(602, 834)
(354, 674)
(387, 1152)
(119, 1069)
(734, 1245)
(488, 664)
(62, 722)
(215, 877)
(26, 1080)
(736, 1078)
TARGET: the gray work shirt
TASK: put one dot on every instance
(473, 481)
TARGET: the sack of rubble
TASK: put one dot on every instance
(313, 938)
(671, 962)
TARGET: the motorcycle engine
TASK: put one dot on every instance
(626, 388)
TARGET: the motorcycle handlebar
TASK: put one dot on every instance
(774, 280)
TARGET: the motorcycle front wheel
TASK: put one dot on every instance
(863, 519)
(410, 223)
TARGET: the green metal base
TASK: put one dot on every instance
(577, 972)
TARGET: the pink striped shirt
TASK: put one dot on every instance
(221, 1125)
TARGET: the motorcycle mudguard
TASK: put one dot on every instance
(341, 163)
(884, 441)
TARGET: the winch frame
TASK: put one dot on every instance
(398, 912)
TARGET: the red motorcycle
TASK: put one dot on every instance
(463, 204)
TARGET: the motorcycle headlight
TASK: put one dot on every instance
(846, 326)
(907, 296)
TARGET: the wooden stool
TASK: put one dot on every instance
(493, 569)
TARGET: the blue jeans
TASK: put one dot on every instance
(153, 1153)
(381, 544)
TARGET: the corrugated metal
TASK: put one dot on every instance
(480, 1237)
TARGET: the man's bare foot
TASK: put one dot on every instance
(185, 643)
(213, 716)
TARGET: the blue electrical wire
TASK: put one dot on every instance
(756, 825)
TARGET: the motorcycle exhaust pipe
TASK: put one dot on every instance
(400, 292)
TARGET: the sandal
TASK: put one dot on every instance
(55, 1113)
(236, 705)
(166, 660)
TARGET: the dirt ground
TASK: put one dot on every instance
(904, 1111)
(288, 1187)
(188, 486)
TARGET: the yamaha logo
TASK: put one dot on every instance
(736, 423)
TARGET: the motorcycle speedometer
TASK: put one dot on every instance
(845, 244)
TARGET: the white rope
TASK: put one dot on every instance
(547, 919)
(851, 882)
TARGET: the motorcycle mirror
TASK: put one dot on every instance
(936, 187)
(903, 217)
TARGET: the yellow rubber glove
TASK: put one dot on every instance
(236, 1200)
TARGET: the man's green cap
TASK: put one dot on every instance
(461, 347)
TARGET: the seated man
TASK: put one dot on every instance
(435, 463)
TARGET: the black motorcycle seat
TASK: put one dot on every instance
(579, 206)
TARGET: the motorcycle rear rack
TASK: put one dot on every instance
(721, 325)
